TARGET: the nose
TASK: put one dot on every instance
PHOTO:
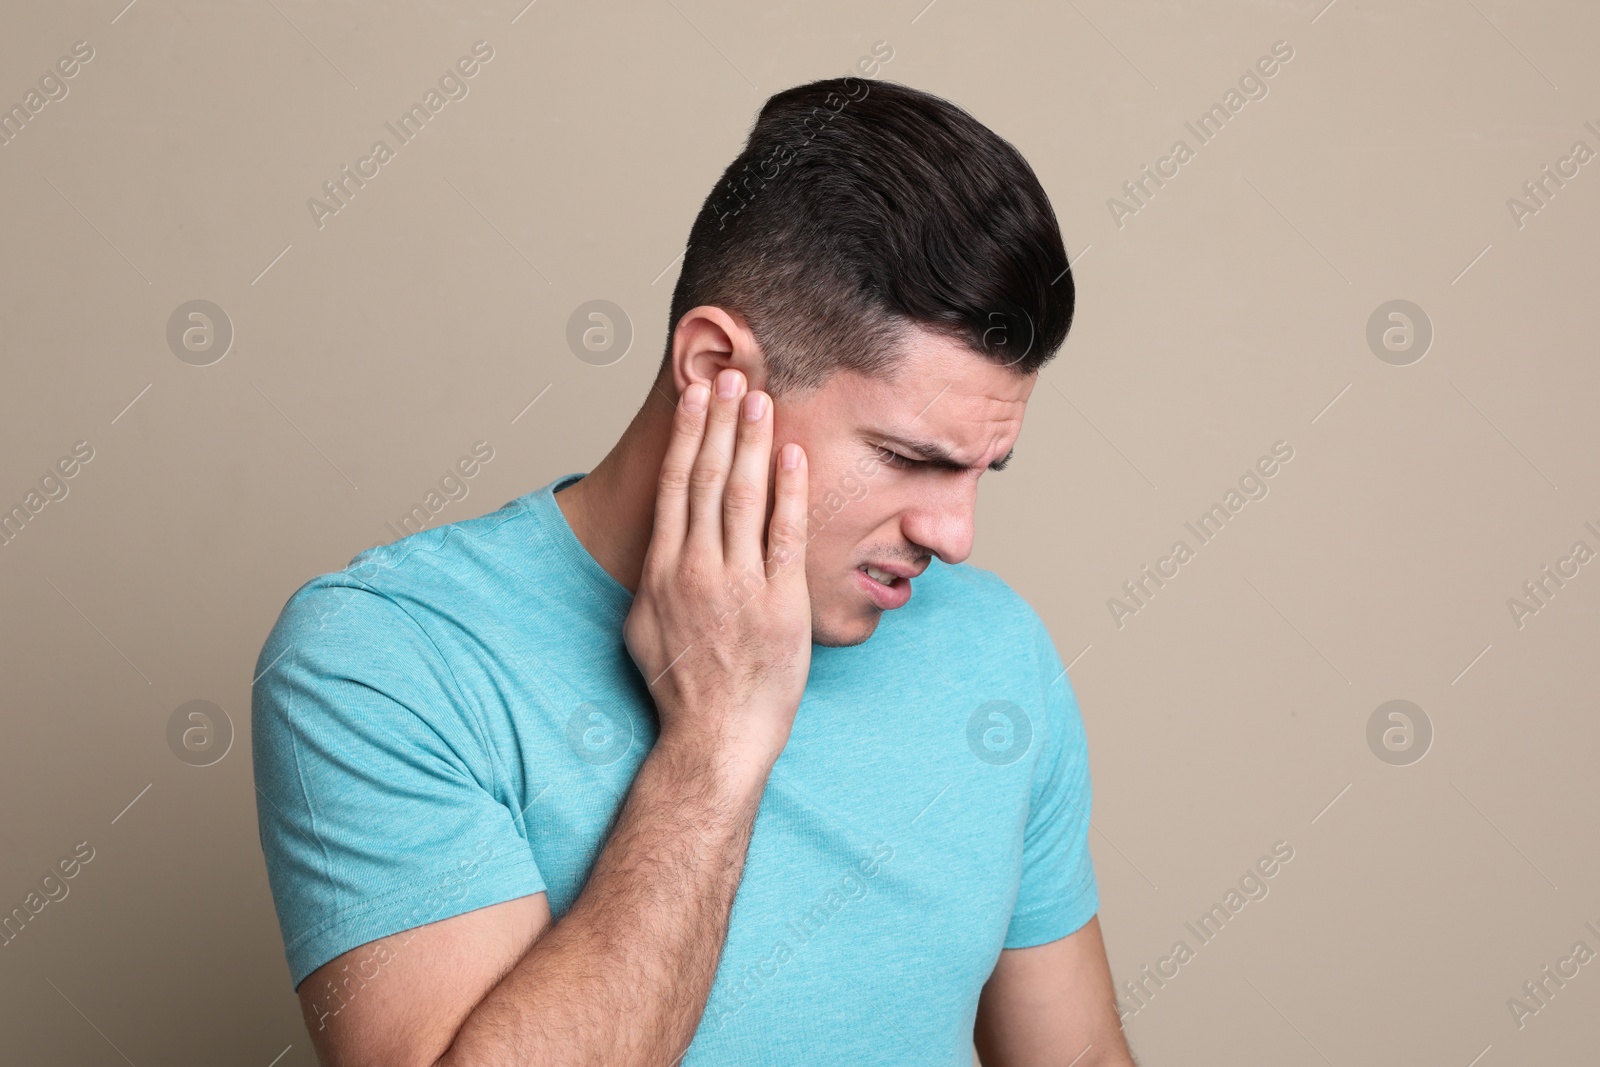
(943, 521)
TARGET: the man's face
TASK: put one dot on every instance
(871, 507)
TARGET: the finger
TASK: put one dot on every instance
(744, 500)
(786, 536)
(672, 494)
(711, 465)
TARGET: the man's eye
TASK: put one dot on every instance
(895, 459)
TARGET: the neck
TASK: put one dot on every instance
(612, 509)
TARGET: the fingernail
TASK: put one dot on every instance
(728, 384)
(694, 397)
(791, 456)
(755, 406)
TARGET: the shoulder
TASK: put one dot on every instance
(372, 608)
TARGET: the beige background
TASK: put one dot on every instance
(1228, 314)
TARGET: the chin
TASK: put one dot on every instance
(832, 631)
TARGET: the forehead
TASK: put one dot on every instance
(941, 390)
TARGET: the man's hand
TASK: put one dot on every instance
(721, 624)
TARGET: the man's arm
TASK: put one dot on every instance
(624, 976)
(1047, 1004)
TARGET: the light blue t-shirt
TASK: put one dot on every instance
(453, 721)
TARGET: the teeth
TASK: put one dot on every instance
(880, 576)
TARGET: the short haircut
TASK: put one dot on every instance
(860, 207)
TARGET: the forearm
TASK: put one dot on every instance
(624, 976)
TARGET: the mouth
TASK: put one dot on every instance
(886, 589)
(883, 577)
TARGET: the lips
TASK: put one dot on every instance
(888, 585)
(888, 570)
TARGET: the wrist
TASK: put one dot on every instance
(738, 767)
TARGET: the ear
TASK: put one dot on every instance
(709, 338)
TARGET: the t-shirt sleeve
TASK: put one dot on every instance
(1058, 893)
(379, 802)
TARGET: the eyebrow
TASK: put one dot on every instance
(937, 455)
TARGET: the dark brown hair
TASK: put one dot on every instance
(859, 207)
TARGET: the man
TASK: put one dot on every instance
(666, 760)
